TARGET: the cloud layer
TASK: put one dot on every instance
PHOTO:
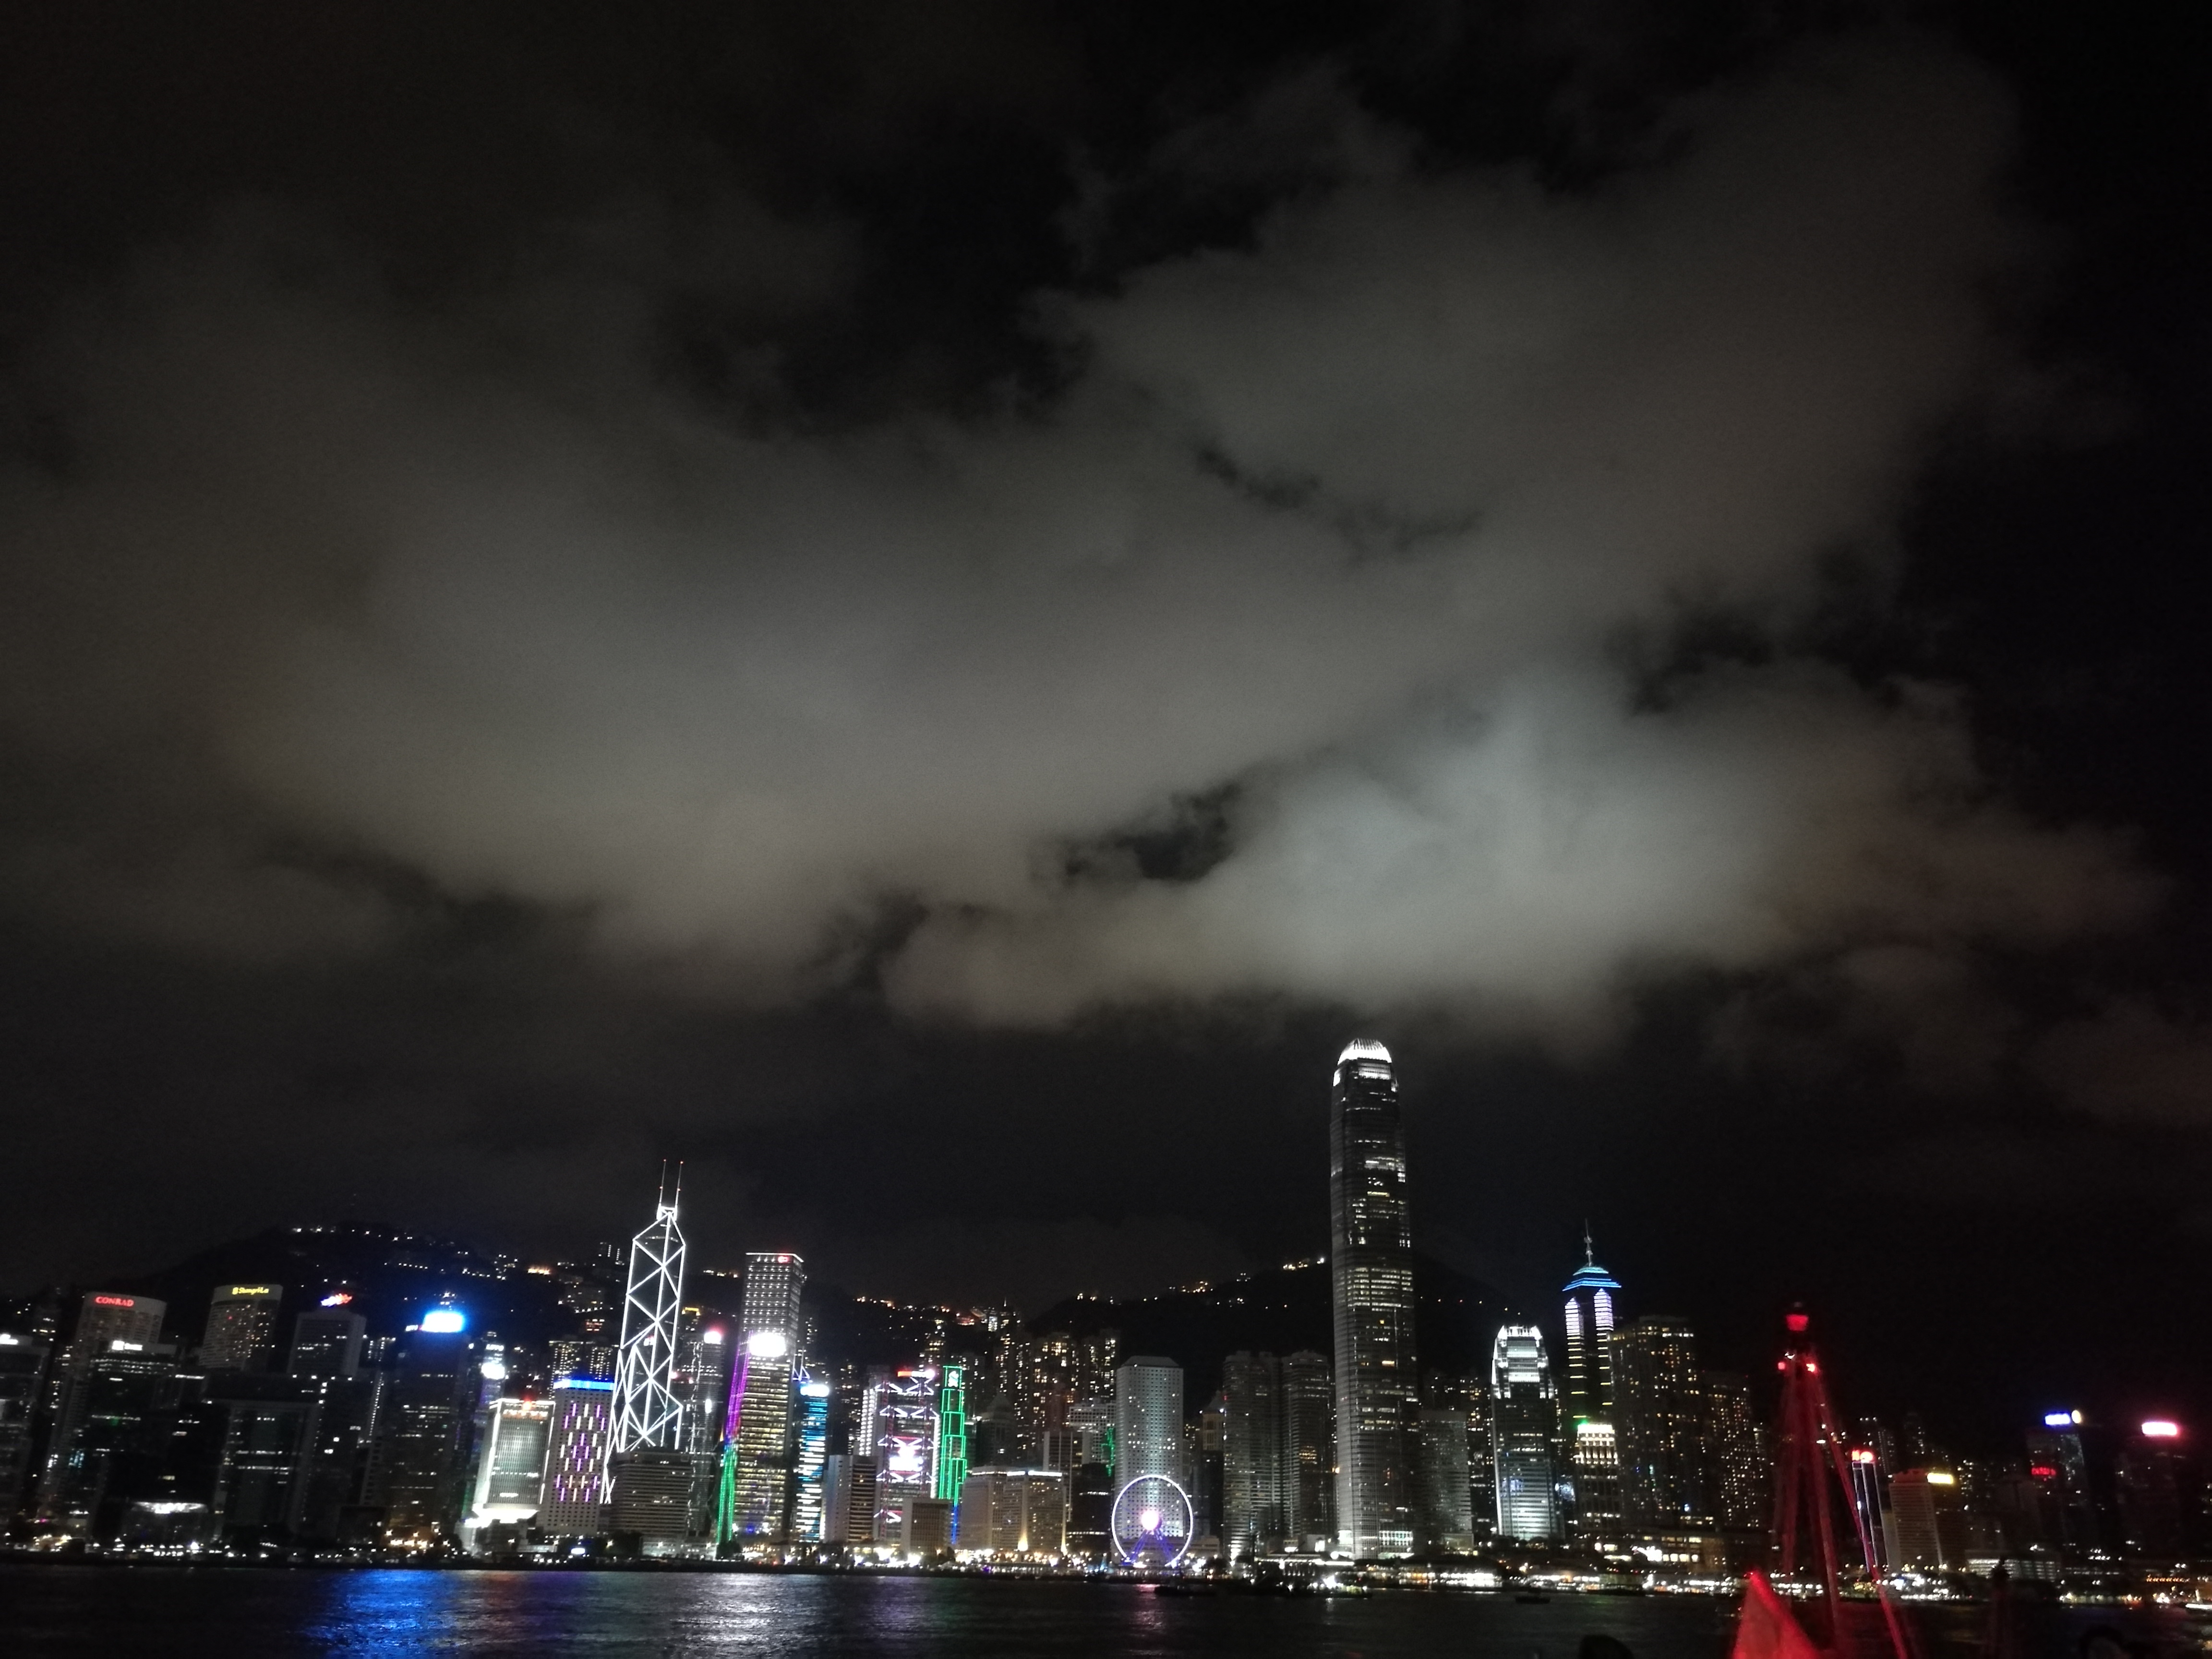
(1374, 537)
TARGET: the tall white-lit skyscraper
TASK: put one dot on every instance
(1152, 1516)
(1371, 1277)
(756, 1459)
(1524, 1416)
(1147, 1420)
(647, 1412)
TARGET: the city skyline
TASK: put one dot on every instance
(459, 1441)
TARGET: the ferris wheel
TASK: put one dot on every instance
(1152, 1521)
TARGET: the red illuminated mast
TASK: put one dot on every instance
(1809, 1447)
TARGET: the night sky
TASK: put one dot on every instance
(927, 607)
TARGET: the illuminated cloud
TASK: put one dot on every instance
(1374, 537)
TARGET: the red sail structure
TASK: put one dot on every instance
(1809, 1449)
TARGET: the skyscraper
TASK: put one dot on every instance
(1735, 1454)
(1371, 1282)
(269, 1429)
(1252, 1519)
(1592, 1400)
(1205, 1459)
(1014, 1512)
(704, 1355)
(1481, 1462)
(2158, 1490)
(1926, 1521)
(898, 1430)
(1870, 1489)
(241, 1327)
(1660, 1424)
(112, 1446)
(1590, 1295)
(647, 1412)
(951, 1433)
(1152, 1515)
(1147, 1420)
(1525, 1419)
(510, 1479)
(576, 1457)
(1446, 1518)
(756, 1458)
(22, 1376)
(808, 1509)
(2059, 1465)
(326, 1342)
(1308, 1450)
(421, 1460)
(104, 1318)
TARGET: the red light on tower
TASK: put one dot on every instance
(1798, 1321)
(2042, 1472)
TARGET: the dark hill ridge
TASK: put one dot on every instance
(392, 1276)
(1455, 1318)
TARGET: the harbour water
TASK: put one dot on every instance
(161, 1611)
(168, 1613)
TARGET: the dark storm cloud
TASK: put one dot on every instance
(2131, 1061)
(1354, 530)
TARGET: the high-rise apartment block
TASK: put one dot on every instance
(1735, 1449)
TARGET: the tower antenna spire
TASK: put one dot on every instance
(1589, 1250)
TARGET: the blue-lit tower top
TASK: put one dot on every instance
(1590, 1292)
